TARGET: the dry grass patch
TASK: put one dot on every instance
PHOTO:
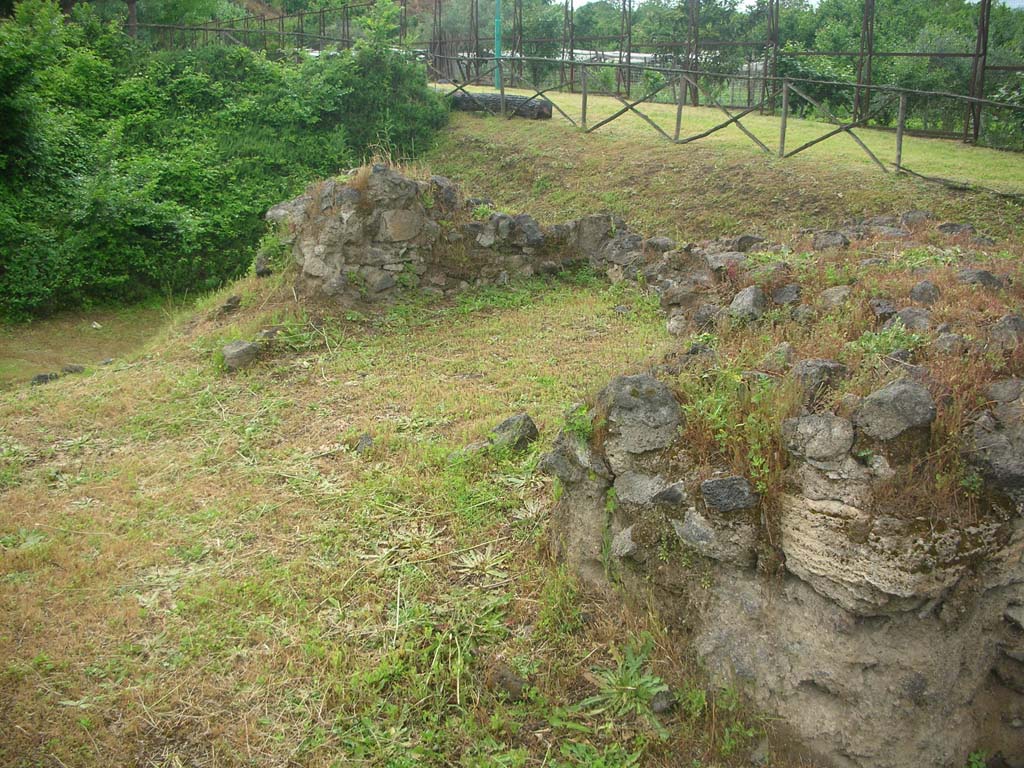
(198, 568)
(695, 191)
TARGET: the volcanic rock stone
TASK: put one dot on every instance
(262, 264)
(804, 314)
(912, 318)
(1005, 390)
(288, 212)
(895, 409)
(637, 488)
(673, 495)
(925, 292)
(624, 249)
(231, 304)
(377, 280)
(623, 545)
(816, 375)
(743, 243)
(686, 295)
(954, 228)
(727, 540)
(996, 439)
(706, 315)
(748, 304)
(526, 231)
(641, 415)
(659, 244)
(950, 344)
(882, 308)
(240, 354)
(1007, 333)
(726, 260)
(835, 297)
(515, 433)
(572, 461)
(821, 438)
(677, 324)
(447, 197)
(913, 218)
(787, 294)
(888, 233)
(728, 494)
(829, 238)
(981, 277)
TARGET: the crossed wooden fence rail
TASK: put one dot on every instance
(684, 83)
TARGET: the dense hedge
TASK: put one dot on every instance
(125, 172)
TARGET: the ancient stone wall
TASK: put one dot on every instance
(371, 237)
(879, 640)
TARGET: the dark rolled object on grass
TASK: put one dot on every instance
(537, 108)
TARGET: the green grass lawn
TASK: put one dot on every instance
(691, 192)
(81, 338)
(197, 569)
(950, 159)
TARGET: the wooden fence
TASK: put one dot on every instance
(683, 83)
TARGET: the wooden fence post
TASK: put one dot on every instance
(501, 82)
(901, 123)
(583, 78)
(680, 98)
(785, 115)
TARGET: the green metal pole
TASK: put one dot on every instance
(497, 42)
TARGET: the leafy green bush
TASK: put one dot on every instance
(1005, 127)
(125, 172)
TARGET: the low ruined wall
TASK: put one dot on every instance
(373, 237)
(880, 641)
(378, 234)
